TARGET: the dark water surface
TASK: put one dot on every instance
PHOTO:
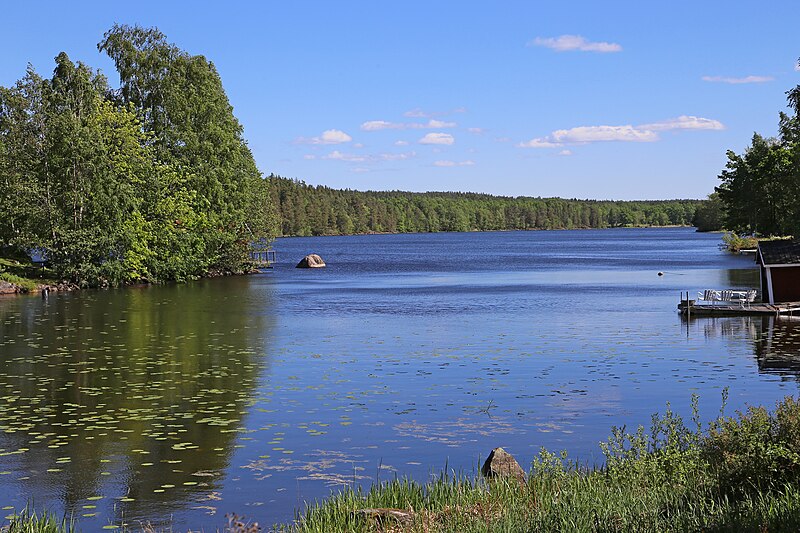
(178, 404)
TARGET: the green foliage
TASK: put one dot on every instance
(736, 243)
(309, 210)
(28, 521)
(710, 214)
(760, 188)
(153, 182)
(756, 450)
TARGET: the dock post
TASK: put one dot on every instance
(688, 311)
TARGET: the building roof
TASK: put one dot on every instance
(786, 252)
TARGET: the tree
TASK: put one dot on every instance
(709, 215)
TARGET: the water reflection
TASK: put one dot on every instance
(777, 346)
(775, 340)
(127, 403)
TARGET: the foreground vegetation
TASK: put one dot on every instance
(739, 474)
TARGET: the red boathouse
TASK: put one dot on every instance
(779, 263)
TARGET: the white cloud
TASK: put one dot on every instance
(568, 43)
(340, 156)
(684, 122)
(565, 152)
(467, 163)
(401, 143)
(327, 137)
(626, 133)
(397, 157)
(737, 81)
(358, 145)
(309, 156)
(476, 131)
(588, 134)
(358, 158)
(437, 138)
(416, 113)
(419, 113)
(377, 125)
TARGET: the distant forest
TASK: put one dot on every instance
(317, 210)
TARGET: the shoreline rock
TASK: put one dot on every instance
(501, 464)
(311, 261)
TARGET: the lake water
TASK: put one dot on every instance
(407, 354)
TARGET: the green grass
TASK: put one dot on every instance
(24, 274)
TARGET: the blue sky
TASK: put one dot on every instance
(593, 99)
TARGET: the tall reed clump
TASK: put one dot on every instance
(29, 521)
(740, 473)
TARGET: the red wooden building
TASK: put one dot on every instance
(779, 263)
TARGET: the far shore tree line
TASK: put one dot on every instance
(760, 190)
(318, 210)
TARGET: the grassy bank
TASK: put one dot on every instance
(737, 474)
(24, 276)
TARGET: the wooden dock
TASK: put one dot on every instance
(691, 309)
(262, 258)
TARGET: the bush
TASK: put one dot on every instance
(755, 450)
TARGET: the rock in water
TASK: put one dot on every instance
(311, 261)
(500, 463)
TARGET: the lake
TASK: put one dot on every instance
(407, 355)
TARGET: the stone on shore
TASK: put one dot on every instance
(385, 514)
(311, 261)
(500, 463)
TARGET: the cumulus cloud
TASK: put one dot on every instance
(377, 125)
(416, 113)
(419, 113)
(569, 43)
(327, 137)
(625, 133)
(336, 155)
(737, 81)
(401, 143)
(565, 152)
(437, 138)
(445, 163)
(590, 134)
(341, 156)
(684, 122)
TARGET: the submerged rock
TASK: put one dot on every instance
(500, 463)
(311, 261)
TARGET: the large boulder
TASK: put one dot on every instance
(500, 463)
(311, 261)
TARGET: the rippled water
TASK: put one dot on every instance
(178, 404)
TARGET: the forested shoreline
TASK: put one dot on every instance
(306, 210)
(150, 182)
(759, 193)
